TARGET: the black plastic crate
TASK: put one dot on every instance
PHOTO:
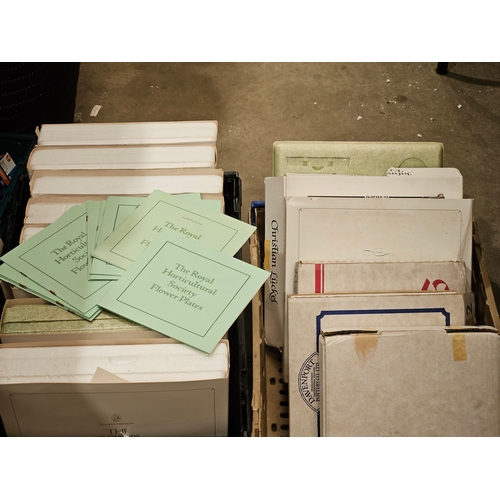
(240, 413)
(13, 198)
(239, 405)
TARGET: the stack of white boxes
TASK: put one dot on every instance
(370, 294)
(164, 387)
(79, 162)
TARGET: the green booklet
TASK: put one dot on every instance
(116, 210)
(165, 212)
(95, 212)
(184, 290)
(56, 259)
(10, 275)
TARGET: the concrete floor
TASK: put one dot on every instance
(256, 104)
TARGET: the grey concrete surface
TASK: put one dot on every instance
(259, 103)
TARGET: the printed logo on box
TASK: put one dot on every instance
(308, 381)
(435, 284)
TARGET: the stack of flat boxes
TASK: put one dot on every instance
(370, 297)
(93, 161)
(70, 165)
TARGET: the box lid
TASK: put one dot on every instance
(410, 382)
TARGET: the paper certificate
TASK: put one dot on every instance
(185, 290)
(164, 212)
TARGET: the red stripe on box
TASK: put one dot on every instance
(319, 278)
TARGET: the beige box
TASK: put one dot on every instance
(126, 182)
(353, 157)
(139, 133)
(159, 389)
(410, 382)
(35, 320)
(380, 277)
(308, 315)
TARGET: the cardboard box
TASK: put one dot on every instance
(35, 320)
(395, 183)
(43, 210)
(126, 182)
(390, 230)
(380, 277)
(165, 389)
(353, 157)
(308, 315)
(28, 231)
(410, 382)
(139, 133)
(122, 157)
(431, 182)
(270, 400)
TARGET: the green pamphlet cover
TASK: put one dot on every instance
(161, 211)
(10, 275)
(185, 290)
(117, 209)
(56, 259)
(95, 212)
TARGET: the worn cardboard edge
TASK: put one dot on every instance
(269, 392)
(407, 330)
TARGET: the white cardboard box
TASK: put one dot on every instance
(308, 315)
(140, 133)
(30, 230)
(353, 157)
(121, 157)
(43, 210)
(127, 182)
(366, 230)
(417, 183)
(380, 277)
(396, 183)
(163, 389)
(410, 382)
